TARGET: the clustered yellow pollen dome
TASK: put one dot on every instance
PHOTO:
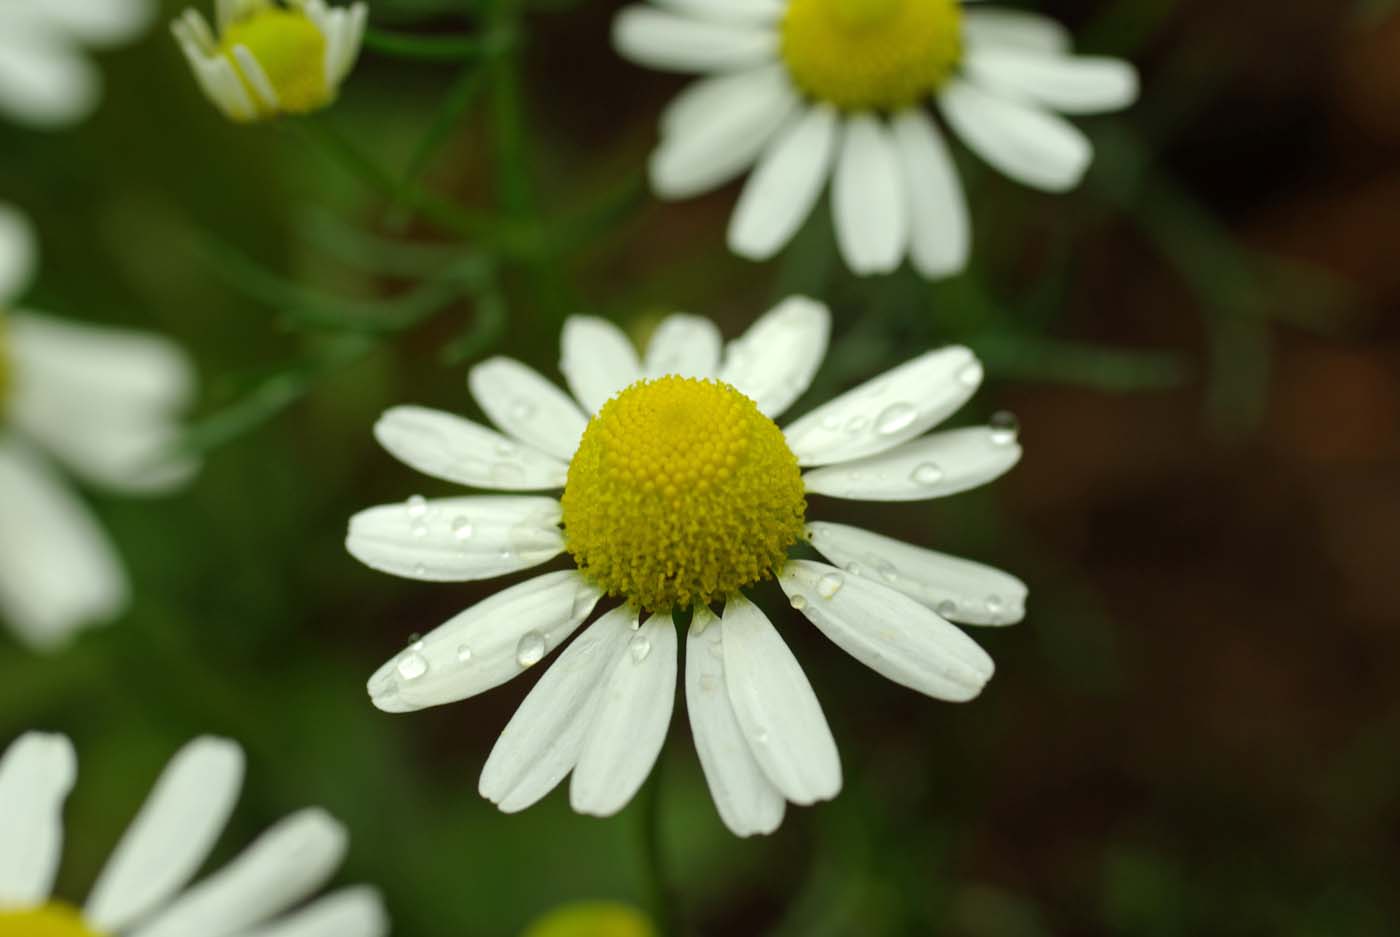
(291, 50)
(681, 491)
(52, 920)
(871, 54)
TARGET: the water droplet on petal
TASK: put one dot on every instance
(419, 529)
(461, 528)
(417, 506)
(506, 449)
(530, 650)
(522, 409)
(927, 473)
(856, 425)
(464, 654)
(829, 585)
(895, 417)
(420, 570)
(994, 605)
(971, 374)
(884, 567)
(798, 601)
(640, 646)
(1004, 428)
(832, 421)
(415, 642)
(947, 608)
(412, 665)
(854, 568)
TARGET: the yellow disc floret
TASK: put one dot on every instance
(681, 491)
(291, 51)
(51, 920)
(871, 54)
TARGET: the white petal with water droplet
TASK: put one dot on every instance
(172, 835)
(1071, 85)
(457, 450)
(597, 360)
(774, 361)
(890, 633)
(885, 411)
(747, 801)
(962, 459)
(629, 726)
(672, 42)
(457, 539)
(685, 345)
(957, 589)
(776, 708)
(431, 672)
(36, 774)
(527, 406)
(284, 866)
(543, 740)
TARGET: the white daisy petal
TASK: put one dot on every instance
(36, 773)
(58, 571)
(448, 447)
(729, 11)
(713, 147)
(1032, 146)
(521, 402)
(457, 539)
(888, 632)
(774, 361)
(350, 912)
(785, 186)
(598, 360)
(543, 740)
(939, 229)
(888, 410)
(932, 467)
(776, 708)
(1014, 29)
(629, 727)
(285, 864)
(171, 836)
(671, 42)
(868, 200)
(747, 801)
(105, 23)
(19, 254)
(43, 82)
(1079, 85)
(957, 589)
(486, 645)
(105, 401)
(688, 346)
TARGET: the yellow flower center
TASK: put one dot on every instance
(681, 491)
(51, 920)
(292, 52)
(593, 919)
(871, 54)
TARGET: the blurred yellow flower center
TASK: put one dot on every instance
(593, 919)
(51, 920)
(291, 50)
(871, 54)
(681, 491)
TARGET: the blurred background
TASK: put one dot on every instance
(1195, 731)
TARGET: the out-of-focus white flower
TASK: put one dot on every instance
(104, 402)
(46, 79)
(806, 92)
(679, 491)
(144, 889)
(268, 59)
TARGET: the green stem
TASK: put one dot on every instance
(437, 48)
(662, 899)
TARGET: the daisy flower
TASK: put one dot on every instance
(142, 891)
(803, 91)
(46, 79)
(268, 59)
(102, 401)
(680, 492)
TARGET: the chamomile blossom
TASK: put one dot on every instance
(267, 58)
(679, 491)
(806, 92)
(105, 403)
(144, 890)
(46, 77)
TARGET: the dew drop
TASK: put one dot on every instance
(640, 646)
(971, 374)
(522, 409)
(420, 570)
(854, 568)
(857, 424)
(506, 449)
(895, 417)
(884, 567)
(412, 665)
(994, 605)
(415, 642)
(947, 608)
(829, 585)
(464, 654)
(927, 473)
(461, 528)
(417, 506)
(832, 421)
(761, 737)
(798, 601)
(530, 650)
(419, 529)
(1004, 428)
